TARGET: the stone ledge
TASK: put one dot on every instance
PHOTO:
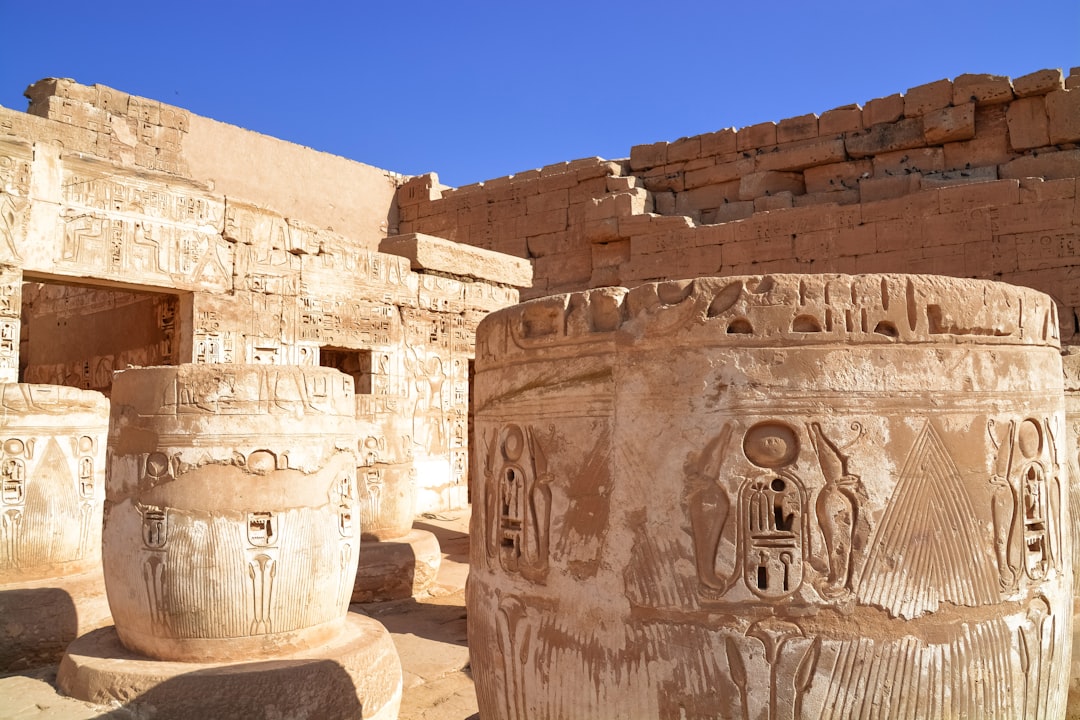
(427, 252)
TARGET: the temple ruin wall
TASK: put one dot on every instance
(131, 249)
(971, 177)
(300, 183)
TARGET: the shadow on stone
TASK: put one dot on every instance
(319, 689)
(437, 622)
(454, 543)
(98, 669)
(38, 624)
(398, 568)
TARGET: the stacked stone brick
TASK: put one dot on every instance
(972, 177)
(129, 129)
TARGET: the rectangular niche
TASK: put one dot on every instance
(354, 363)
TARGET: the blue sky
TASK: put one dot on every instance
(475, 90)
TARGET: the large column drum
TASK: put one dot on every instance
(231, 521)
(772, 497)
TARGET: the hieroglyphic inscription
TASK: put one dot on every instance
(518, 501)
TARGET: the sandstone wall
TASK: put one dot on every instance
(972, 177)
(151, 260)
(301, 183)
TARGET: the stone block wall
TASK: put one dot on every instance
(303, 184)
(971, 177)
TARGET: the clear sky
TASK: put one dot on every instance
(475, 90)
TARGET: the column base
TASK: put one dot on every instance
(396, 569)
(355, 675)
(38, 618)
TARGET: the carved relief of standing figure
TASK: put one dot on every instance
(837, 509)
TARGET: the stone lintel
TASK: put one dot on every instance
(427, 252)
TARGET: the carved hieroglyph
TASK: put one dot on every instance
(772, 497)
(232, 516)
(52, 470)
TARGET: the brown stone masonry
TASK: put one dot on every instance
(973, 177)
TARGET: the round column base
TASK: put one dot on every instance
(355, 675)
(396, 569)
(38, 618)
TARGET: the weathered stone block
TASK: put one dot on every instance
(1039, 82)
(803, 127)
(719, 143)
(1047, 165)
(426, 252)
(1028, 123)
(848, 118)
(731, 211)
(758, 184)
(925, 98)
(886, 137)
(802, 154)
(950, 124)
(684, 149)
(643, 157)
(756, 136)
(883, 110)
(981, 89)
(835, 177)
(1063, 108)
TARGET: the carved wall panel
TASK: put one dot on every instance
(120, 227)
(772, 497)
(15, 172)
(52, 481)
(233, 517)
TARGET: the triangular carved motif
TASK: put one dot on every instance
(929, 548)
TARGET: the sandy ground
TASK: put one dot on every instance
(429, 633)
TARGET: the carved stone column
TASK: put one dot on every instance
(231, 536)
(398, 561)
(52, 488)
(772, 497)
(1071, 362)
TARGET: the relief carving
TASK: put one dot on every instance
(838, 514)
(930, 500)
(518, 502)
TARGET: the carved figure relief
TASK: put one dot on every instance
(518, 501)
(838, 514)
(515, 634)
(709, 506)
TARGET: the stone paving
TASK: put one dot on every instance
(429, 633)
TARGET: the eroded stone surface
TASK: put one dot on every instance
(771, 497)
